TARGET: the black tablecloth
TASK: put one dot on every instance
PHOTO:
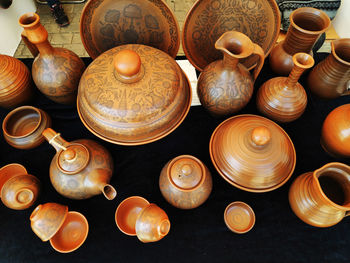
(195, 235)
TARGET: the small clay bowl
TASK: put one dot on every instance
(23, 126)
(239, 217)
(9, 171)
(71, 234)
(127, 213)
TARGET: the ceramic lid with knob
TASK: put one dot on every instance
(133, 94)
(252, 153)
(74, 159)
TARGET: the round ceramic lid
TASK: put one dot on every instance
(73, 159)
(252, 153)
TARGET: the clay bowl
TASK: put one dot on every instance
(23, 126)
(127, 213)
(10, 170)
(239, 217)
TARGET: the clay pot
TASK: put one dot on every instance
(66, 231)
(18, 190)
(23, 126)
(321, 198)
(132, 95)
(5, 3)
(252, 153)
(185, 182)
(331, 77)
(284, 99)
(226, 86)
(335, 138)
(56, 71)
(306, 26)
(80, 169)
(16, 85)
(239, 217)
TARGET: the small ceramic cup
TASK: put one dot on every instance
(239, 217)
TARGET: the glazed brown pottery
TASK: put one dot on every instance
(239, 217)
(284, 99)
(335, 138)
(331, 77)
(105, 24)
(11, 170)
(56, 71)
(152, 224)
(185, 182)
(226, 86)
(132, 95)
(306, 26)
(322, 198)
(15, 82)
(80, 169)
(127, 212)
(23, 126)
(252, 153)
(208, 19)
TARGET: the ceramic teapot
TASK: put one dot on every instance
(80, 169)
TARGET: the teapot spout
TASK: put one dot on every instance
(109, 191)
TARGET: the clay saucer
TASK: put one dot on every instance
(239, 217)
(10, 170)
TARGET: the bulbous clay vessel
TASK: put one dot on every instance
(331, 77)
(284, 99)
(185, 182)
(322, 198)
(226, 86)
(56, 71)
(15, 82)
(306, 26)
(80, 169)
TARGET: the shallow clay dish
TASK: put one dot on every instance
(209, 19)
(10, 170)
(105, 24)
(239, 217)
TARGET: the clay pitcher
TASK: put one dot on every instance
(56, 71)
(226, 86)
(331, 77)
(322, 198)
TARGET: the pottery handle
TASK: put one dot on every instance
(55, 139)
(347, 213)
(347, 88)
(32, 48)
(260, 52)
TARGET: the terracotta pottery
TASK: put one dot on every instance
(252, 153)
(132, 95)
(335, 138)
(207, 20)
(284, 99)
(11, 170)
(306, 26)
(331, 77)
(185, 182)
(23, 126)
(105, 24)
(322, 198)
(152, 224)
(239, 217)
(127, 212)
(56, 71)
(226, 86)
(15, 82)
(80, 169)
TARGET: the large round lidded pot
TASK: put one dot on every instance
(252, 153)
(133, 94)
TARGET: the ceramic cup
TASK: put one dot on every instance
(239, 217)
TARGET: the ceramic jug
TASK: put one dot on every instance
(80, 169)
(322, 198)
(226, 86)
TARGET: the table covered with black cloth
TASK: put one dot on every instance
(198, 235)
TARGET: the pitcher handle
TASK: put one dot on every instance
(260, 52)
(32, 48)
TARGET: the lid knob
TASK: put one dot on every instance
(127, 63)
(186, 169)
(69, 154)
(261, 135)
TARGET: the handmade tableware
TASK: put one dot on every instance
(10, 170)
(239, 217)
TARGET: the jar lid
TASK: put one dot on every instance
(74, 159)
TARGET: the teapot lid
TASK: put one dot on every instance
(73, 159)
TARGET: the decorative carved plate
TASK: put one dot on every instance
(105, 24)
(209, 19)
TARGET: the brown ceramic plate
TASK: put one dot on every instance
(105, 24)
(209, 19)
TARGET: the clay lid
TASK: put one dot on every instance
(239, 217)
(133, 94)
(73, 159)
(252, 153)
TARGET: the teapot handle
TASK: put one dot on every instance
(347, 88)
(55, 139)
(32, 48)
(347, 213)
(260, 52)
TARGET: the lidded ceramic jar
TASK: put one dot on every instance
(185, 182)
(252, 153)
(133, 94)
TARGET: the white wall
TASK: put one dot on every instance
(10, 31)
(341, 22)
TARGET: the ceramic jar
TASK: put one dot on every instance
(185, 182)
(226, 86)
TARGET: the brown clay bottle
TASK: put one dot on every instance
(56, 71)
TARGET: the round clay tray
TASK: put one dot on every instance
(239, 217)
